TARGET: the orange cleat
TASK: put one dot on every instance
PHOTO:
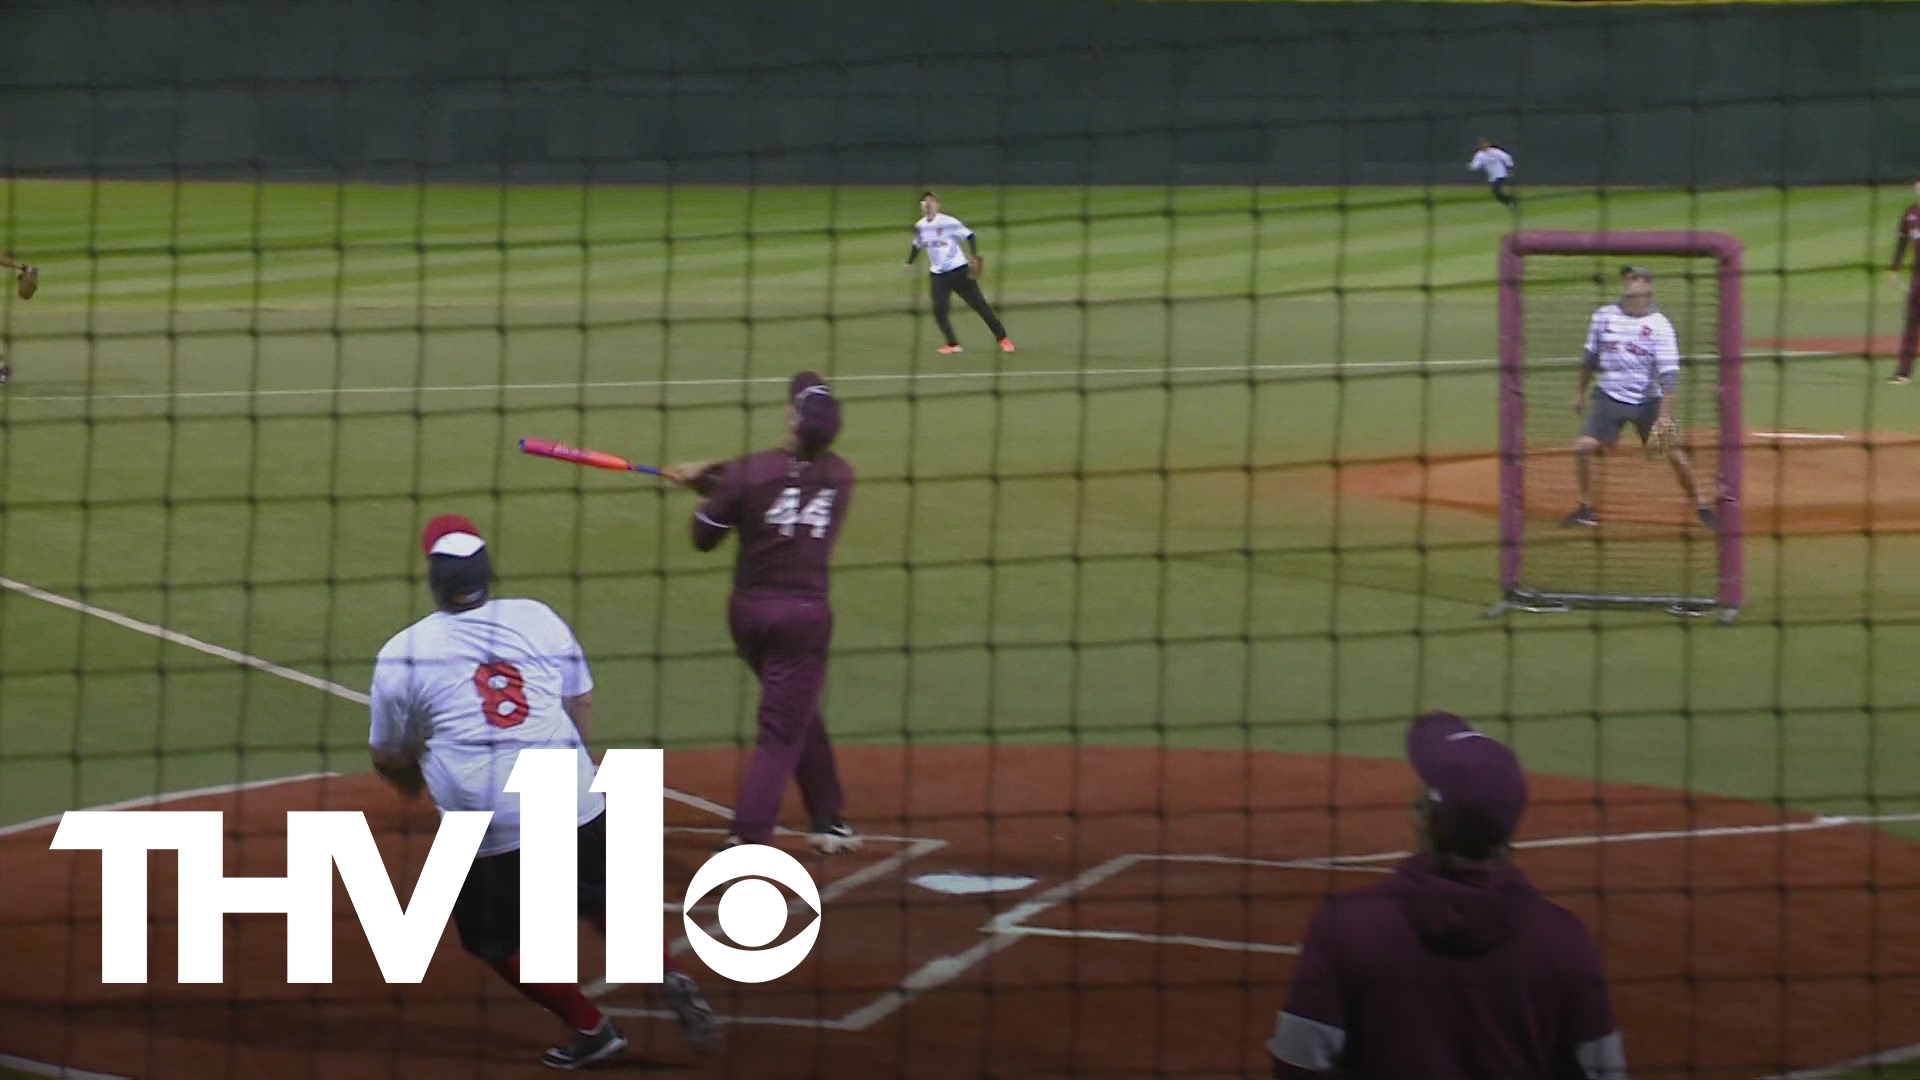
(949, 350)
(1006, 344)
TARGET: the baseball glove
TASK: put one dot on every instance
(29, 282)
(1663, 437)
(699, 476)
(977, 267)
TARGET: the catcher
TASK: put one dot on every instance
(1632, 363)
(953, 271)
(27, 284)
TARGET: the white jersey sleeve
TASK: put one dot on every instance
(1666, 345)
(1596, 328)
(392, 704)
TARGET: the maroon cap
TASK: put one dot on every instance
(451, 534)
(816, 412)
(1468, 772)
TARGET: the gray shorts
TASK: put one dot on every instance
(1605, 417)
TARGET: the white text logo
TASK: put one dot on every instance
(751, 911)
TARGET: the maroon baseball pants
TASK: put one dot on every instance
(784, 639)
(1910, 332)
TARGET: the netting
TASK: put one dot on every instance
(1130, 613)
(1648, 544)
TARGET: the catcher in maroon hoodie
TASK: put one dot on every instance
(1454, 968)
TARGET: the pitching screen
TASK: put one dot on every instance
(1644, 527)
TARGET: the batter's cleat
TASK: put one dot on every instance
(1582, 516)
(949, 350)
(1899, 380)
(689, 1005)
(831, 836)
(587, 1048)
(732, 841)
(1707, 517)
(1006, 344)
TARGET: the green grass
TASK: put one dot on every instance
(1092, 547)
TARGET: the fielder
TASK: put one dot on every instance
(787, 505)
(25, 285)
(939, 235)
(1456, 967)
(1910, 330)
(456, 696)
(1496, 164)
(1632, 361)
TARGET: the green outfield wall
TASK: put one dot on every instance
(886, 91)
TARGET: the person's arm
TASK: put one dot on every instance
(716, 515)
(1592, 1031)
(580, 711)
(392, 743)
(1310, 1036)
(1900, 249)
(1589, 364)
(1666, 356)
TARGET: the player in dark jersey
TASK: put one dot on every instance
(787, 506)
(1455, 967)
(1910, 331)
(25, 286)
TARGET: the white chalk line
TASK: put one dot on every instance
(1164, 371)
(41, 1068)
(1808, 436)
(1155, 939)
(1896, 1056)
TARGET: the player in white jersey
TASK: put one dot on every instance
(939, 235)
(1496, 164)
(456, 697)
(1632, 363)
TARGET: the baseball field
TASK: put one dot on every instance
(1138, 612)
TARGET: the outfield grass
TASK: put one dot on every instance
(234, 405)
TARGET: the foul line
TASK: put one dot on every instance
(256, 663)
(1896, 1056)
(1165, 371)
(41, 1068)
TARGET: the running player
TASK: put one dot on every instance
(1495, 164)
(939, 235)
(456, 697)
(787, 505)
(1632, 360)
(1910, 330)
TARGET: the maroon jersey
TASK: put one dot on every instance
(1458, 975)
(788, 513)
(1909, 235)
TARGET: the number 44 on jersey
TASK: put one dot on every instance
(786, 512)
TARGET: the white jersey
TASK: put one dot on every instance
(1634, 351)
(472, 689)
(1493, 161)
(940, 239)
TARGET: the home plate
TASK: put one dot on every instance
(957, 884)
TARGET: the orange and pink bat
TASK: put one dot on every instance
(598, 459)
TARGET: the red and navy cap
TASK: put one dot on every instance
(459, 569)
(816, 412)
(1468, 774)
(452, 535)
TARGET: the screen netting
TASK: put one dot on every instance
(1649, 544)
(1130, 613)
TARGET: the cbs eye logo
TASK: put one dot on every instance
(752, 912)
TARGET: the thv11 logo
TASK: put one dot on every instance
(403, 939)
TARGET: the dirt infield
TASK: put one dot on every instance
(1796, 483)
(1856, 345)
(1156, 941)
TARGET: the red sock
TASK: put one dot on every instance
(563, 1000)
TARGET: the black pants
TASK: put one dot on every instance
(487, 912)
(957, 281)
(1500, 191)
